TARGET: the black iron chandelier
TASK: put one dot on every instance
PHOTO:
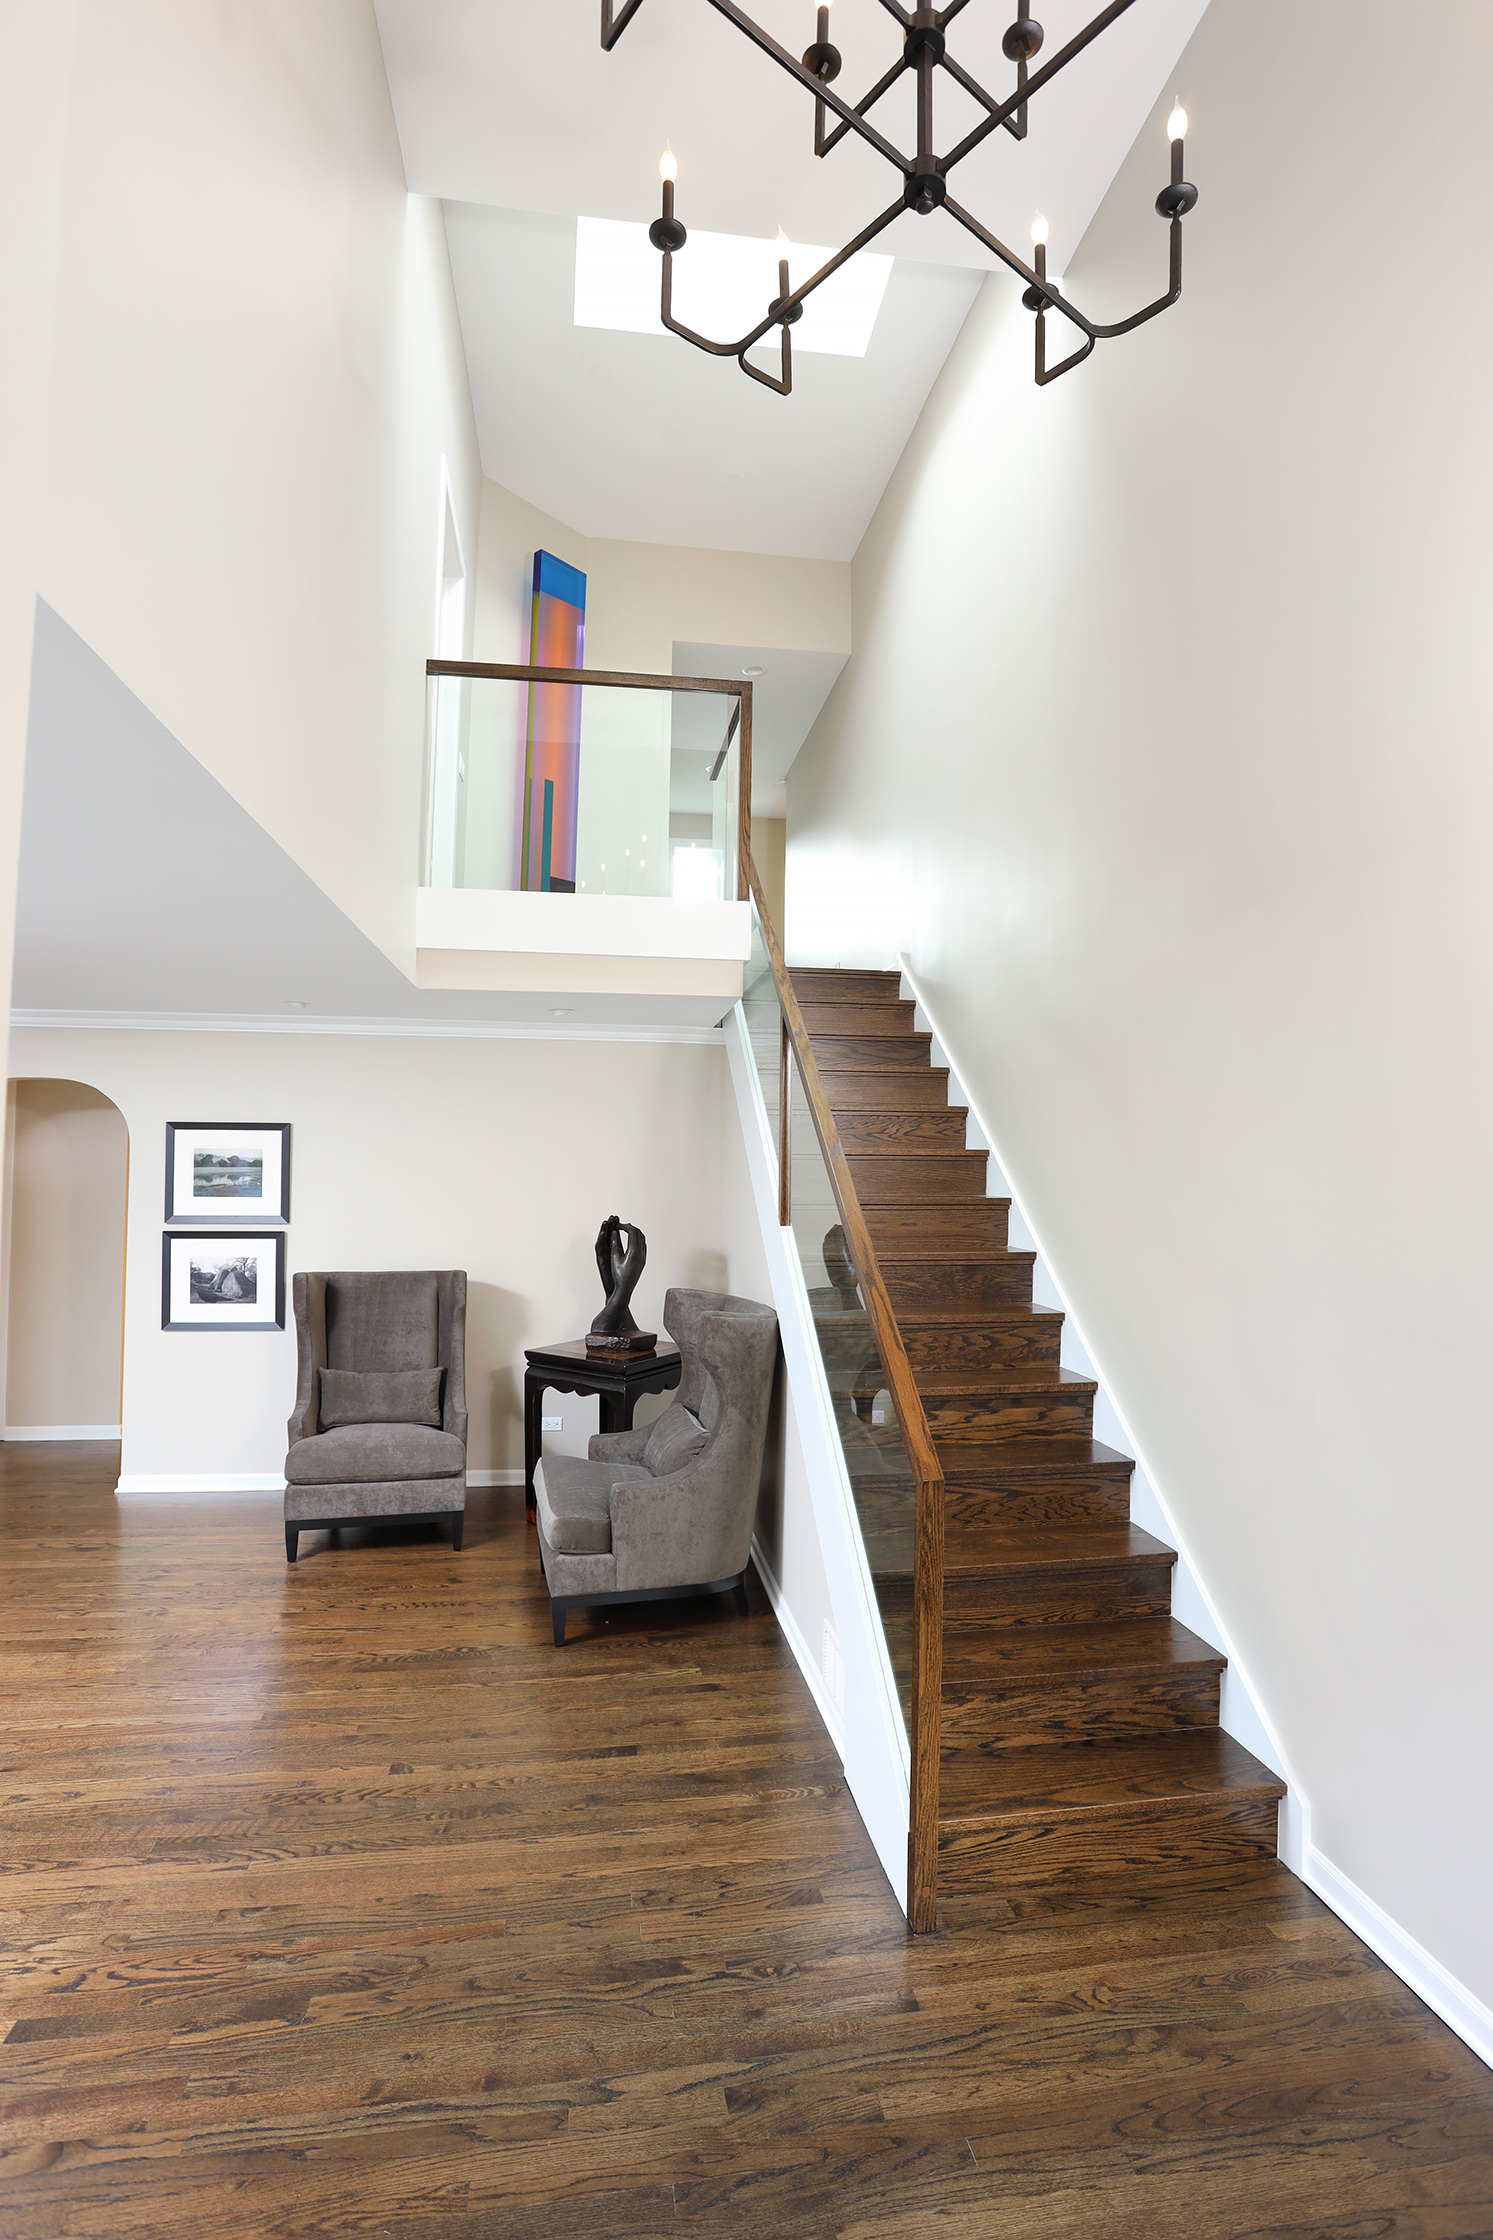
(925, 176)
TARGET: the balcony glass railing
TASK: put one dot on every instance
(549, 782)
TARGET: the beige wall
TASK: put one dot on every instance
(640, 598)
(769, 853)
(68, 1160)
(1164, 753)
(500, 1156)
(258, 368)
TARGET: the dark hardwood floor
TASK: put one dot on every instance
(337, 1901)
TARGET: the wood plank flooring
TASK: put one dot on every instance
(337, 1901)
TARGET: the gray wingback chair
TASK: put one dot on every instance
(389, 1439)
(667, 1509)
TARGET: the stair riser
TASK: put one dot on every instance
(1081, 1499)
(908, 1053)
(1138, 1588)
(940, 1129)
(889, 1090)
(973, 1225)
(1014, 1342)
(916, 1179)
(813, 984)
(1093, 1710)
(939, 1286)
(1047, 1412)
(877, 1020)
(1146, 1846)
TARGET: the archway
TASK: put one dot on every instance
(64, 1193)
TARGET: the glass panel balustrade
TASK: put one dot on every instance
(880, 1473)
(539, 787)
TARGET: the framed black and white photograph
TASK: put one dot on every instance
(219, 1171)
(222, 1279)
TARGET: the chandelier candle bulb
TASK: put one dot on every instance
(1176, 123)
(668, 167)
(1039, 230)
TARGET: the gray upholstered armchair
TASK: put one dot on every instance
(380, 1422)
(667, 1509)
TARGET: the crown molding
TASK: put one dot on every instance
(460, 1030)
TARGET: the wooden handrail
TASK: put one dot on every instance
(928, 1496)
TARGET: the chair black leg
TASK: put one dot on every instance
(292, 1536)
(739, 1596)
(557, 1620)
(460, 1521)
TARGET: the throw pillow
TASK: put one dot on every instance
(380, 1396)
(674, 1441)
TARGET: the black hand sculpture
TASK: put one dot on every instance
(614, 1330)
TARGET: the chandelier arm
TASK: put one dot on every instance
(1060, 61)
(1025, 272)
(816, 86)
(784, 387)
(612, 30)
(1046, 373)
(824, 142)
(947, 15)
(1162, 303)
(785, 304)
(894, 8)
(977, 92)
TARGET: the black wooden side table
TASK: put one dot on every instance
(621, 1382)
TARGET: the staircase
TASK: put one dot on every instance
(1079, 1734)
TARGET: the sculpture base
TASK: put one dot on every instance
(624, 1341)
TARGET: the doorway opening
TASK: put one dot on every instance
(63, 1197)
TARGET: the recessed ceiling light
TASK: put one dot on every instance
(561, 1012)
(751, 669)
(296, 1003)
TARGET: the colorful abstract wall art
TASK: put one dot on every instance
(552, 747)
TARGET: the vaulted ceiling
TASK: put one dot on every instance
(516, 119)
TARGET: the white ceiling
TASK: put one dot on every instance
(639, 437)
(785, 701)
(512, 115)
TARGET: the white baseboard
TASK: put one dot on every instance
(495, 1477)
(201, 1484)
(1458, 2007)
(833, 1723)
(61, 1431)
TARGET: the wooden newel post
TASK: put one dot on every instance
(924, 1735)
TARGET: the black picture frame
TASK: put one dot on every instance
(216, 1215)
(193, 1239)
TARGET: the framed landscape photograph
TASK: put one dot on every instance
(218, 1170)
(222, 1279)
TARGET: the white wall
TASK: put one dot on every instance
(67, 1162)
(501, 1156)
(1164, 754)
(258, 368)
(35, 65)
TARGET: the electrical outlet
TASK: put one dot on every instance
(552, 1423)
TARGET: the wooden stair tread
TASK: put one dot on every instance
(1065, 1781)
(1032, 1549)
(993, 1656)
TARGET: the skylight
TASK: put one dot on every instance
(723, 283)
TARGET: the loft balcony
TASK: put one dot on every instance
(583, 838)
